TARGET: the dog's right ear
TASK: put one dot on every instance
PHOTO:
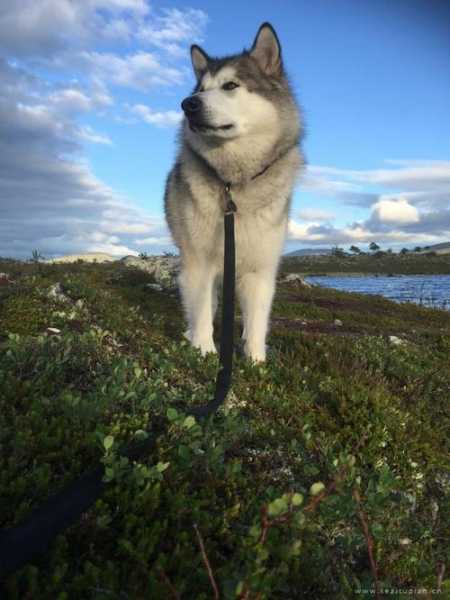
(199, 61)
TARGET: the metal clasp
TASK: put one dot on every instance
(231, 206)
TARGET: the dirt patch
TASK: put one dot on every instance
(333, 304)
(315, 327)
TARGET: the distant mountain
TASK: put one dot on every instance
(310, 252)
(99, 257)
(443, 248)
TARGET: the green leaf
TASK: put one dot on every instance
(316, 488)
(184, 452)
(277, 507)
(297, 499)
(189, 422)
(108, 442)
(172, 414)
(162, 466)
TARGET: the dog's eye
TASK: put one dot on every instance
(230, 85)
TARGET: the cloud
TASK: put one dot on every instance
(315, 214)
(87, 134)
(406, 176)
(396, 211)
(72, 100)
(139, 71)
(165, 118)
(46, 27)
(174, 30)
(62, 61)
(391, 222)
(50, 199)
(408, 203)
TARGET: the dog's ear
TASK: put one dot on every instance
(199, 60)
(266, 50)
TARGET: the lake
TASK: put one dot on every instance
(427, 290)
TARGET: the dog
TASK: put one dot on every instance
(242, 127)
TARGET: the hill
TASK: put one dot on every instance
(310, 252)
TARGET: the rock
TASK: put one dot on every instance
(56, 293)
(396, 340)
(164, 269)
(155, 286)
(338, 323)
(53, 330)
(294, 277)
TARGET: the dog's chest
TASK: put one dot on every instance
(260, 225)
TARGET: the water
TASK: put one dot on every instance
(428, 290)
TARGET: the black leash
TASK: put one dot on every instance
(31, 538)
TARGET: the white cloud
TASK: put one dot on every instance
(45, 27)
(174, 30)
(163, 118)
(139, 71)
(407, 175)
(155, 241)
(50, 200)
(87, 134)
(60, 60)
(315, 214)
(395, 211)
(73, 100)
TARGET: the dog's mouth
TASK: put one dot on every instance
(203, 127)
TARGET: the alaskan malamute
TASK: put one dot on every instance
(242, 127)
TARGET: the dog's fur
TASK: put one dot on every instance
(247, 136)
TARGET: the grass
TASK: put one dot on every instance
(383, 264)
(325, 474)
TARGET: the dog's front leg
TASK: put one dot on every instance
(197, 285)
(255, 291)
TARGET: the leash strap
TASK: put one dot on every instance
(223, 381)
(23, 542)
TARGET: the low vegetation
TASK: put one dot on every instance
(324, 475)
(377, 263)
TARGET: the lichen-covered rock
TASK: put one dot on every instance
(291, 277)
(56, 293)
(5, 279)
(164, 269)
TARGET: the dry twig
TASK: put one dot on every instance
(369, 541)
(207, 563)
(169, 584)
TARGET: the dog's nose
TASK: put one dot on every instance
(191, 105)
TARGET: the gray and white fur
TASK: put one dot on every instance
(242, 126)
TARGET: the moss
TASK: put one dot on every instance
(337, 408)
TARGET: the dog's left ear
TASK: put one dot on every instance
(266, 50)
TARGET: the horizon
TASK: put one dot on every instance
(90, 107)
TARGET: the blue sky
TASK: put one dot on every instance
(89, 109)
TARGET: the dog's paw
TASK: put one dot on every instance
(255, 354)
(205, 346)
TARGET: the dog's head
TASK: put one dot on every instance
(239, 95)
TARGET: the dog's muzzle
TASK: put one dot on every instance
(192, 105)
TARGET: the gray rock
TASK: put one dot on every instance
(396, 340)
(164, 269)
(155, 286)
(290, 277)
(56, 293)
(338, 323)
